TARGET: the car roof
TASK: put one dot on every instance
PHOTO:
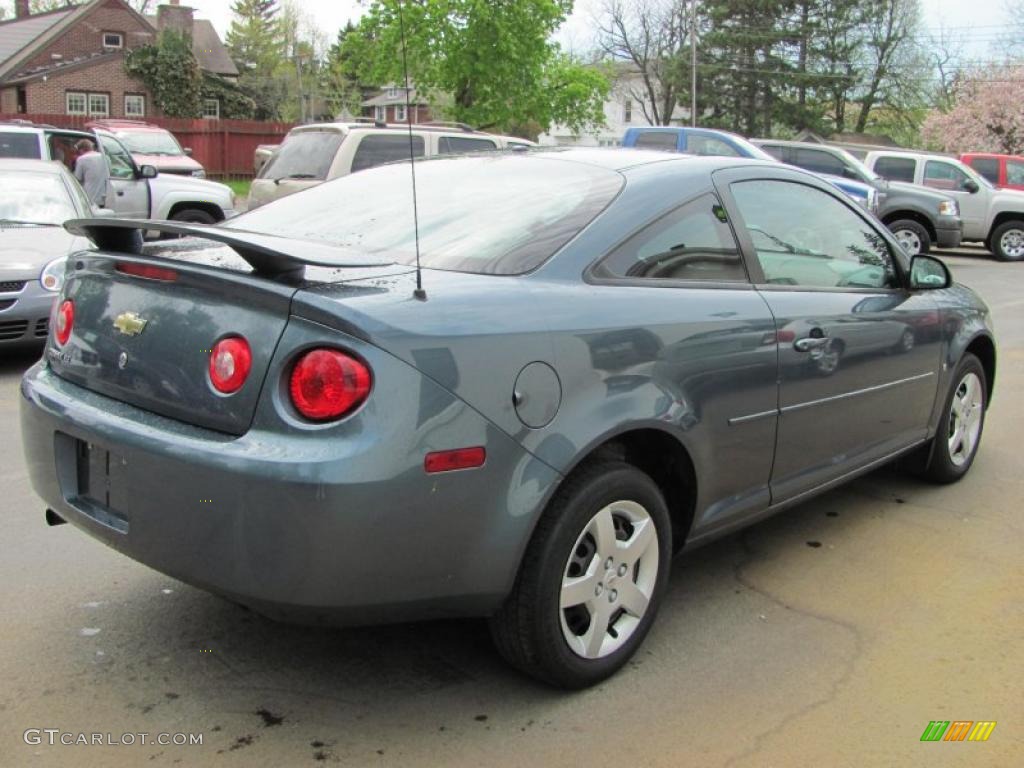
(992, 155)
(625, 158)
(18, 165)
(19, 128)
(451, 128)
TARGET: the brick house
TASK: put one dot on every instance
(71, 61)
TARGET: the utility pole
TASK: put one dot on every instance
(693, 62)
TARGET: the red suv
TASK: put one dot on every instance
(1002, 170)
(152, 145)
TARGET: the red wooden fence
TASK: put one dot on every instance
(224, 147)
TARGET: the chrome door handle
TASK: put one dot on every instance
(813, 342)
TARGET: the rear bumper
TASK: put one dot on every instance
(300, 529)
(26, 322)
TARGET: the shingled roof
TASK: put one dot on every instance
(209, 50)
(24, 35)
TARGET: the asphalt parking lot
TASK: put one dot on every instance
(827, 636)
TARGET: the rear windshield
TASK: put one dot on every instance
(19, 145)
(499, 215)
(304, 155)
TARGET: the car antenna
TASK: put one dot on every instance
(419, 293)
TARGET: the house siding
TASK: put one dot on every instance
(9, 100)
(106, 77)
(85, 37)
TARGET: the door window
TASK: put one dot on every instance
(708, 145)
(658, 139)
(819, 162)
(693, 242)
(805, 237)
(376, 150)
(1014, 172)
(945, 176)
(458, 145)
(987, 167)
(120, 162)
(896, 168)
(779, 153)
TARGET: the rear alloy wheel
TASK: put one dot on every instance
(959, 433)
(591, 579)
(1008, 241)
(912, 236)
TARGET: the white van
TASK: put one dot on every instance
(312, 154)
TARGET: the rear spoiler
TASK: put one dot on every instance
(269, 255)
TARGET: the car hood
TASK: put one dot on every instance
(190, 184)
(918, 190)
(24, 251)
(164, 162)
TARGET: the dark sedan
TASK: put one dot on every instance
(36, 198)
(615, 355)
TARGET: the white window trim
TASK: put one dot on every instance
(401, 115)
(142, 101)
(120, 38)
(379, 114)
(392, 93)
(85, 102)
(106, 99)
(207, 103)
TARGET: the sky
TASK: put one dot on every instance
(980, 22)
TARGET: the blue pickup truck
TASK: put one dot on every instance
(707, 141)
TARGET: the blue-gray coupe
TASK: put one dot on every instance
(608, 356)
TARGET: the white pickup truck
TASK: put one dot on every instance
(135, 192)
(991, 216)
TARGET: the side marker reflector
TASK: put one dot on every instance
(460, 458)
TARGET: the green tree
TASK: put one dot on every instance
(494, 61)
(171, 73)
(257, 47)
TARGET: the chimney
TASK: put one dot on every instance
(174, 16)
(21, 10)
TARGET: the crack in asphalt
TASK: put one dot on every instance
(751, 555)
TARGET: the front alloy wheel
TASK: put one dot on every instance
(591, 579)
(952, 451)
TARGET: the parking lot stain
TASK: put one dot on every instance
(814, 544)
(171, 695)
(269, 718)
(241, 741)
(832, 514)
(480, 718)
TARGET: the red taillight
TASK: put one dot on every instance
(230, 363)
(147, 271)
(326, 384)
(65, 321)
(460, 458)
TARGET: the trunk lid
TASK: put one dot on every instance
(147, 342)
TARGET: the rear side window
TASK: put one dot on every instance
(460, 145)
(376, 149)
(305, 155)
(895, 168)
(658, 139)
(944, 176)
(779, 153)
(19, 145)
(818, 161)
(693, 242)
(987, 167)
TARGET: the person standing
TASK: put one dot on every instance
(92, 171)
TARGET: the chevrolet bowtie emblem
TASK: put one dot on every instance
(130, 324)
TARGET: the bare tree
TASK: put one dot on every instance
(890, 28)
(945, 49)
(649, 35)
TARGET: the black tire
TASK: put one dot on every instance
(194, 216)
(527, 629)
(909, 225)
(998, 247)
(941, 467)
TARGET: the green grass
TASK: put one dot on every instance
(239, 186)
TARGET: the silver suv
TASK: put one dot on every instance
(135, 192)
(312, 154)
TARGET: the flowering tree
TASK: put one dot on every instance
(987, 115)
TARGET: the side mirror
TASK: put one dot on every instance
(928, 274)
(971, 186)
(188, 151)
(148, 172)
